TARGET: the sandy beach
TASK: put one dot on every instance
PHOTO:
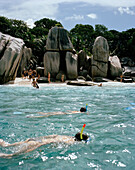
(27, 82)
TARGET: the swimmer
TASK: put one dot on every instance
(82, 110)
(34, 143)
(34, 83)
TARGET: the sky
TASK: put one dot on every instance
(114, 14)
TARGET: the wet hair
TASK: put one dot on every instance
(84, 137)
(83, 109)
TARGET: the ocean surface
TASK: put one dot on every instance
(110, 123)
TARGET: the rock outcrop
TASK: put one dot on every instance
(84, 65)
(25, 60)
(114, 69)
(59, 55)
(99, 61)
(51, 63)
(11, 50)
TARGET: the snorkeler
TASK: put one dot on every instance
(82, 110)
(33, 143)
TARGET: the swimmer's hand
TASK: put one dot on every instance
(3, 155)
(3, 143)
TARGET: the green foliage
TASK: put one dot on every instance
(120, 43)
(34, 38)
(19, 29)
(47, 23)
(82, 36)
(100, 30)
(5, 25)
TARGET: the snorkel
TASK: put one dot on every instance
(86, 107)
(82, 131)
(81, 136)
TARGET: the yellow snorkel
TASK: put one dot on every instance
(82, 131)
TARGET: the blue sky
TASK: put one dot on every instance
(114, 14)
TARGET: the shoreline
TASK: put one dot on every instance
(28, 83)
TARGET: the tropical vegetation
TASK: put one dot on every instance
(82, 37)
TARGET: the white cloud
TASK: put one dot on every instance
(115, 3)
(92, 16)
(30, 23)
(126, 10)
(30, 9)
(35, 10)
(25, 9)
(75, 17)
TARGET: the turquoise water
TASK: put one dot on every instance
(110, 123)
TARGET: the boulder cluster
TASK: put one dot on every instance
(61, 60)
(14, 56)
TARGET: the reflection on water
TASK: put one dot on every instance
(110, 122)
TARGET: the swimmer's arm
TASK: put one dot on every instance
(52, 113)
(6, 144)
(48, 114)
(23, 150)
(42, 113)
(37, 116)
(46, 142)
(75, 112)
(4, 155)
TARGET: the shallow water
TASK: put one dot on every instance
(110, 123)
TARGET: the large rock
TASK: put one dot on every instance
(99, 69)
(58, 40)
(11, 50)
(59, 55)
(52, 63)
(100, 57)
(40, 71)
(82, 57)
(115, 69)
(25, 60)
(71, 65)
(84, 61)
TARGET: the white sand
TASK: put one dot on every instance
(27, 82)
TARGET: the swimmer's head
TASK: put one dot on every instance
(83, 109)
(78, 138)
